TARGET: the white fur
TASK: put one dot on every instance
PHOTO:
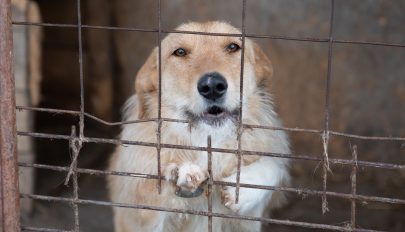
(266, 171)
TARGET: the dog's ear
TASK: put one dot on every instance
(146, 82)
(263, 68)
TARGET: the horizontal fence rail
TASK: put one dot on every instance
(299, 191)
(192, 212)
(248, 35)
(246, 126)
(221, 150)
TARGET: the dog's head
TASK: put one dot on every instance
(200, 75)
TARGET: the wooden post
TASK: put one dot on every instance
(9, 192)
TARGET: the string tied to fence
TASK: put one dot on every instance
(75, 145)
(326, 169)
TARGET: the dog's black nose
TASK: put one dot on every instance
(212, 86)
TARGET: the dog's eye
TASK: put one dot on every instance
(180, 52)
(232, 47)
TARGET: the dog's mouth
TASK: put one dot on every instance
(214, 112)
(214, 115)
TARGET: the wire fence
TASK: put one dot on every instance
(10, 196)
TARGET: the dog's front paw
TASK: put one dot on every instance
(191, 176)
(228, 199)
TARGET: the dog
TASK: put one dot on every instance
(200, 82)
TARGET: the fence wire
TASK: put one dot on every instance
(77, 139)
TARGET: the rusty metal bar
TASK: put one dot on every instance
(353, 179)
(39, 229)
(75, 146)
(80, 41)
(48, 110)
(76, 197)
(325, 134)
(248, 35)
(245, 126)
(375, 138)
(299, 191)
(75, 143)
(210, 183)
(317, 193)
(193, 212)
(77, 113)
(9, 192)
(1, 194)
(159, 122)
(304, 157)
(87, 171)
(240, 122)
(251, 126)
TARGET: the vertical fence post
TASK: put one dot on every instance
(9, 192)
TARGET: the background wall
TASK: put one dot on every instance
(367, 91)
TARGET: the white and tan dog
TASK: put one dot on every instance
(200, 82)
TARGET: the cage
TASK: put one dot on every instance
(339, 88)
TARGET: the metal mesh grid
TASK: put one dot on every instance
(77, 139)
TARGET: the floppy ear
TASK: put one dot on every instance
(263, 68)
(146, 82)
